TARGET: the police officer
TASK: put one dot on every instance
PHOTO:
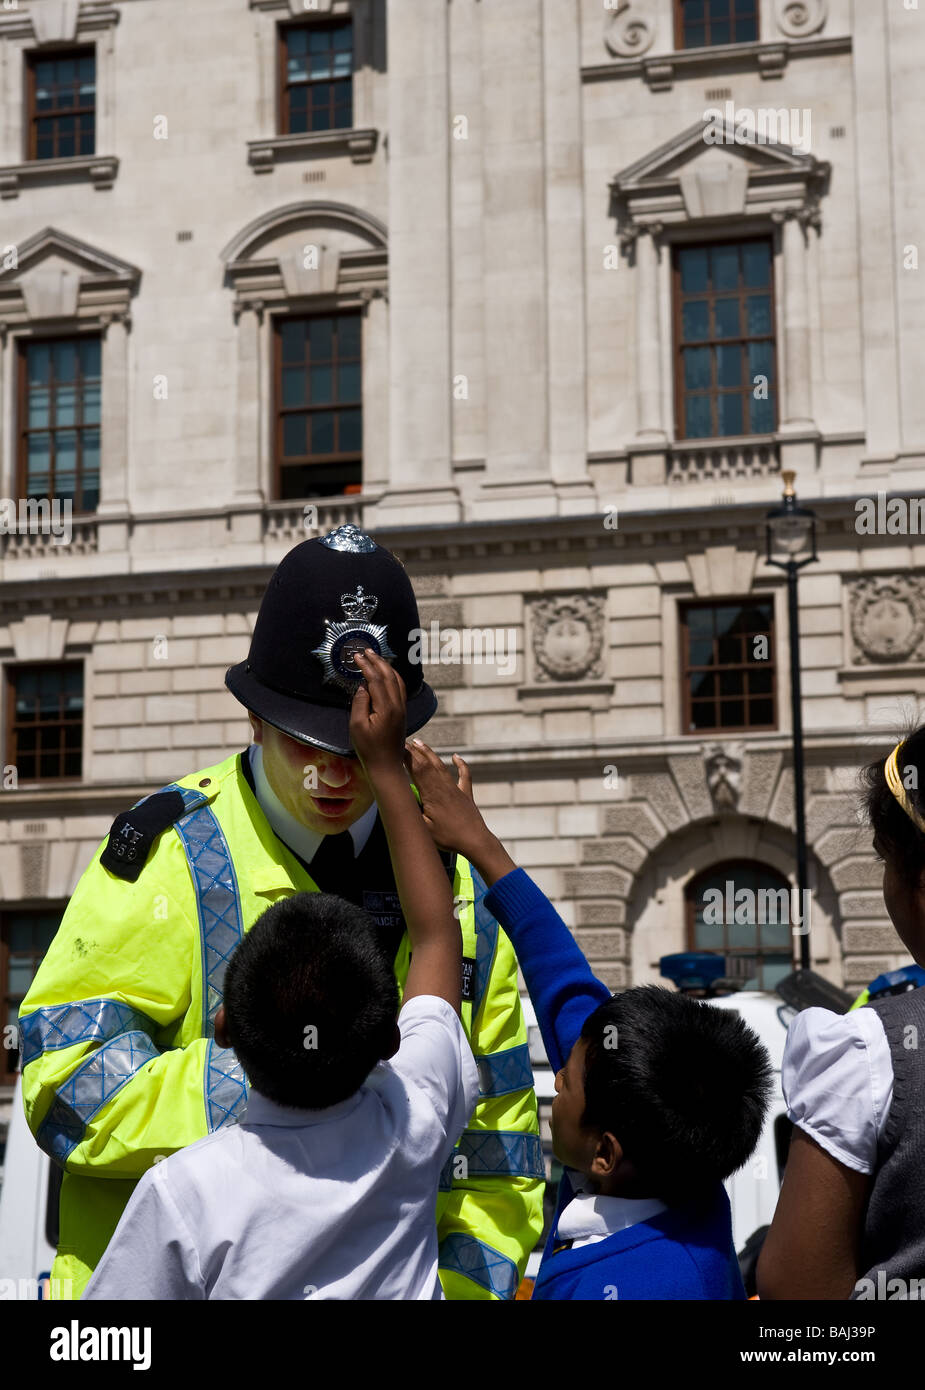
(120, 1065)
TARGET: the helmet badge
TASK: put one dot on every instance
(342, 640)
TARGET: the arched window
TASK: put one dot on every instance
(743, 910)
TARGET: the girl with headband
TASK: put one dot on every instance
(850, 1220)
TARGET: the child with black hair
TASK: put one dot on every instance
(327, 1188)
(850, 1220)
(658, 1097)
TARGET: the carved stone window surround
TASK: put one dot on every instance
(64, 285)
(28, 30)
(361, 140)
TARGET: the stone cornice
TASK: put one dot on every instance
(538, 542)
(661, 70)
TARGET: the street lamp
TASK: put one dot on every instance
(791, 536)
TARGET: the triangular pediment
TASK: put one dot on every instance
(54, 252)
(706, 138)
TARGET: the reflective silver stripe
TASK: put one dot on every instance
(503, 1072)
(89, 1088)
(86, 1020)
(486, 939)
(485, 1266)
(493, 1153)
(218, 902)
(225, 1086)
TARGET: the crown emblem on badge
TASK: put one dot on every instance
(342, 640)
(359, 607)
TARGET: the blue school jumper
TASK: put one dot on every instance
(685, 1252)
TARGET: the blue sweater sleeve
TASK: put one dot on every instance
(559, 979)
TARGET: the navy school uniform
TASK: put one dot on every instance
(683, 1252)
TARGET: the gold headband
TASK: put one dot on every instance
(895, 784)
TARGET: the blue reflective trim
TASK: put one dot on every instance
(486, 939)
(193, 798)
(86, 1020)
(503, 1072)
(89, 1088)
(463, 1254)
(494, 1153)
(225, 1087)
(218, 902)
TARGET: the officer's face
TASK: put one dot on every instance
(323, 791)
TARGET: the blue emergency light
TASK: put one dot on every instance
(693, 969)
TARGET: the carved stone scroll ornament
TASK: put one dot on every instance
(724, 775)
(888, 619)
(798, 18)
(568, 637)
(629, 32)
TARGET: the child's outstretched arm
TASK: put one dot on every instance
(377, 732)
(563, 989)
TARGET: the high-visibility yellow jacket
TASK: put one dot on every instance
(120, 1066)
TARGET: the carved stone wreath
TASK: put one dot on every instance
(568, 637)
(628, 33)
(888, 619)
(797, 18)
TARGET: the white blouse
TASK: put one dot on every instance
(837, 1079)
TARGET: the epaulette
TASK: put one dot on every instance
(134, 832)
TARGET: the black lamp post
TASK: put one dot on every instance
(791, 540)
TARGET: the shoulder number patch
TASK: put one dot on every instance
(134, 832)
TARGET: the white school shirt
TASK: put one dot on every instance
(837, 1080)
(295, 1204)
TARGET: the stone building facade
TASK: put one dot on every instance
(504, 216)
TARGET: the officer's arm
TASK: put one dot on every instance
(494, 1208)
(108, 1085)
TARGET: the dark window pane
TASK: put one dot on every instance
(729, 414)
(695, 319)
(64, 360)
(759, 682)
(761, 361)
(321, 385)
(763, 415)
(294, 436)
(693, 262)
(701, 652)
(729, 366)
(320, 338)
(697, 369)
(731, 682)
(348, 335)
(725, 267)
(698, 417)
(726, 316)
(731, 713)
(695, 36)
(759, 313)
(348, 382)
(703, 686)
(350, 429)
(721, 32)
(730, 650)
(323, 432)
(756, 264)
(294, 386)
(292, 333)
(762, 712)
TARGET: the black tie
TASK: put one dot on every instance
(334, 865)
